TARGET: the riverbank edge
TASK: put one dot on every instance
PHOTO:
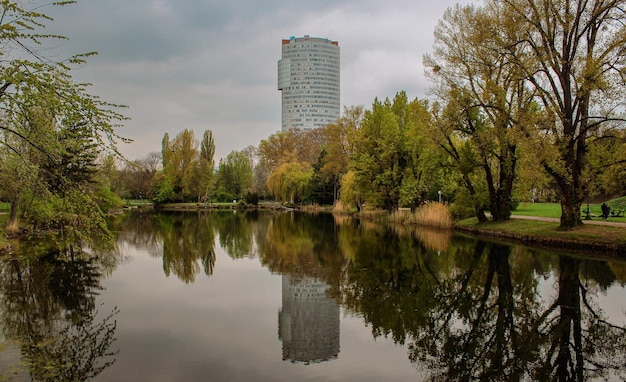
(579, 246)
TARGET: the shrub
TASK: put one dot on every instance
(224, 197)
(252, 198)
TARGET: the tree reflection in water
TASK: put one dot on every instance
(48, 312)
(476, 311)
(465, 309)
(184, 240)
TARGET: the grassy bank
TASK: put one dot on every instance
(610, 241)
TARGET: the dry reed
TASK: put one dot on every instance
(435, 215)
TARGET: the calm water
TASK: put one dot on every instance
(292, 297)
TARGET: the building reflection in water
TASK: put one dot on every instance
(308, 323)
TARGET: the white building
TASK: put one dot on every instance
(308, 77)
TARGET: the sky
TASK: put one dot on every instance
(212, 65)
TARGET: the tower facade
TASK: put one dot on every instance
(308, 77)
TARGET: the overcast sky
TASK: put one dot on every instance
(212, 65)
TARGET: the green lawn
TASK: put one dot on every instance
(533, 228)
(548, 210)
(553, 210)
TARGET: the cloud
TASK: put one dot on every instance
(212, 64)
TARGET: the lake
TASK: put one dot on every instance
(261, 296)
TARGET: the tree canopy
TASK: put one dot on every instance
(50, 125)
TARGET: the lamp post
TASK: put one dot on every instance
(439, 192)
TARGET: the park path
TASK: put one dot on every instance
(556, 220)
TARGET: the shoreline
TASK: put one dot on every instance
(607, 239)
(556, 240)
(549, 243)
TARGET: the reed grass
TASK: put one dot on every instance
(435, 215)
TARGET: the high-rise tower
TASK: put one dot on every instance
(308, 77)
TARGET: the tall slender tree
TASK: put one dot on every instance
(206, 165)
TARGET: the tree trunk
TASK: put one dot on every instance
(13, 223)
(570, 216)
(480, 214)
(567, 334)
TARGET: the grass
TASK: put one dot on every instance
(553, 210)
(546, 210)
(589, 238)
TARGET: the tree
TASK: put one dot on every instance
(571, 53)
(206, 165)
(338, 148)
(165, 150)
(379, 157)
(234, 175)
(305, 145)
(15, 176)
(290, 180)
(494, 102)
(50, 122)
(423, 171)
(181, 158)
(285, 161)
(137, 177)
(322, 189)
(463, 159)
(606, 173)
(350, 196)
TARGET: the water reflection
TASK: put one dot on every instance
(185, 241)
(303, 251)
(308, 323)
(477, 312)
(462, 308)
(48, 314)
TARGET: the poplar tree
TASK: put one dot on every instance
(206, 165)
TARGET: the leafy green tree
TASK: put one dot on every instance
(289, 182)
(50, 122)
(379, 157)
(469, 69)
(606, 173)
(304, 145)
(165, 150)
(206, 164)
(350, 196)
(424, 172)
(338, 148)
(234, 175)
(463, 158)
(322, 189)
(181, 159)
